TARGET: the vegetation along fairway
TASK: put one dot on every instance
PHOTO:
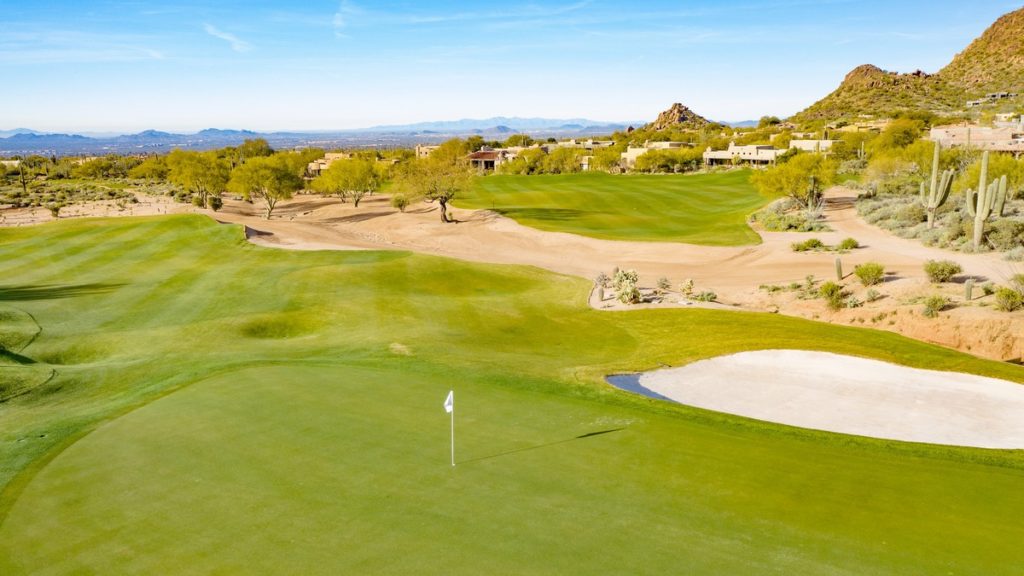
(708, 209)
(180, 401)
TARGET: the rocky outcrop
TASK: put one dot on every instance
(678, 116)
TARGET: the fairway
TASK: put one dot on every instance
(709, 209)
(219, 407)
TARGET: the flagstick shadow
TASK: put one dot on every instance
(539, 446)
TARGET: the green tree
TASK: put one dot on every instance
(998, 165)
(435, 180)
(356, 178)
(200, 173)
(803, 179)
(900, 133)
(254, 148)
(518, 140)
(152, 168)
(563, 160)
(269, 178)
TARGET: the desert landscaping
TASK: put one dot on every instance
(352, 336)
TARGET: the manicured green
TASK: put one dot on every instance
(218, 407)
(708, 209)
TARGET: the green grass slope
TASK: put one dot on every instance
(217, 407)
(709, 209)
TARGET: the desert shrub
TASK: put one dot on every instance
(853, 302)
(197, 201)
(215, 203)
(1006, 234)
(1008, 299)
(602, 280)
(988, 288)
(809, 244)
(939, 271)
(400, 201)
(686, 288)
(623, 278)
(848, 244)
(664, 285)
(1017, 282)
(873, 295)
(833, 295)
(706, 296)
(1015, 255)
(628, 293)
(933, 305)
(869, 273)
(913, 213)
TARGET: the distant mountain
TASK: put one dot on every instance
(217, 133)
(9, 133)
(994, 62)
(740, 123)
(21, 142)
(505, 124)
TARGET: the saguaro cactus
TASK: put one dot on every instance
(990, 198)
(839, 269)
(939, 190)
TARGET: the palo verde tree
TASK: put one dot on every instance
(356, 178)
(803, 178)
(268, 178)
(438, 178)
(200, 173)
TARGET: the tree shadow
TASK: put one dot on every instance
(543, 214)
(963, 279)
(539, 446)
(53, 291)
(14, 357)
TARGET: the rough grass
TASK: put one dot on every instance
(708, 209)
(229, 408)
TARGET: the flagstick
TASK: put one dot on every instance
(453, 434)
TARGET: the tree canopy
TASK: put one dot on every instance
(269, 179)
(803, 178)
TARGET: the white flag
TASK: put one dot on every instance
(449, 402)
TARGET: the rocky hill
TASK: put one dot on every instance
(994, 62)
(678, 116)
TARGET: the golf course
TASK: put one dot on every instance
(707, 209)
(175, 399)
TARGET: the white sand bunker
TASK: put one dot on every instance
(853, 396)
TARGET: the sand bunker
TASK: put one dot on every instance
(851, 395)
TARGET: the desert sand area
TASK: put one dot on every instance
(850, 395)
(314, 222)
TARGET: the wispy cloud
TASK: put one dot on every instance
(341, 17)
(237, 44)
(66, 47)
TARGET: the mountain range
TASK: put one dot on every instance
(25, 141)
(994, 62)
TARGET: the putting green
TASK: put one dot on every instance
(220, 408)
(709, 209)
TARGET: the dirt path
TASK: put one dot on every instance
(311, 222)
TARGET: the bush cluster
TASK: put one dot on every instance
(807, 245)
(940, 271)
(869, 273)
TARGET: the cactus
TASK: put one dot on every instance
(938, 193)
(989, 199)
(968, 289)
(839, 269)
(600, 293)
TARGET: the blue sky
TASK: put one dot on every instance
(317, 65)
